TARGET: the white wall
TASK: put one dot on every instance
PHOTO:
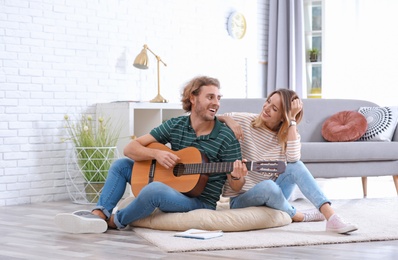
(361, 55)
(62, 57)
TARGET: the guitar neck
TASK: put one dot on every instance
(205, 168)
(219, 167)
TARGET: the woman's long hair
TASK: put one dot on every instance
(287, 96)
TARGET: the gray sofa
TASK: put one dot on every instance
(333, 159)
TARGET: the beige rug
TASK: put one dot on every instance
(377, 220)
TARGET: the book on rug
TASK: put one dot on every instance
(200, 234)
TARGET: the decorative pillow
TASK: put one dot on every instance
(382, 122)
(221, 219)
(344, 126)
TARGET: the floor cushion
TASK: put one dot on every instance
(223, 218)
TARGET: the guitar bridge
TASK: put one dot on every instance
(151, 174)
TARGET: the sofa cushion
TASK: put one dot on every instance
(382, 122)
(221, 219)
(344, 126)
(345, 152)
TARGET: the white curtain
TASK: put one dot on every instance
(361, 50)
(286, 54)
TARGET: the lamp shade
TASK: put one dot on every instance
(141, 61)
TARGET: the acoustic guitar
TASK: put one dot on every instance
(191, 174)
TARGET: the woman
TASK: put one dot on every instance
(273, 135)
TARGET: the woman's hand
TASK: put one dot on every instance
(296, 107)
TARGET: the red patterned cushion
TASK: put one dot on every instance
(344, 126)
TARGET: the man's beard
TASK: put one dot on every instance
(202, 112)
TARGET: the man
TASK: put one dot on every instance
(200, 129)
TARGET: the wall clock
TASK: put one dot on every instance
(236, 25)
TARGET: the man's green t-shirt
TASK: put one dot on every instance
(218, 146)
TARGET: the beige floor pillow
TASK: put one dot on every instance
(221, 219)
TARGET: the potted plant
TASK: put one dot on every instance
(313, 54)
(94, 151)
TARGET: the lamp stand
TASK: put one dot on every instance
(158, 98)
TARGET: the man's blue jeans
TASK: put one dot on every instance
(274, 194)
(152, 196)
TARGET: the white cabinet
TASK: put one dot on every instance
(137, 118)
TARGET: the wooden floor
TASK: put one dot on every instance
(29, 232)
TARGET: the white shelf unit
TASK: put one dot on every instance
(314, 25)
(137, 118)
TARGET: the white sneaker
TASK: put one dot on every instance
(82, 221)
(311, 215)
(338, 225)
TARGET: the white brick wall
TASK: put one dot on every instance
(62, 57)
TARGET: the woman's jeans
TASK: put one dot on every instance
(274, 194)
(152, 196)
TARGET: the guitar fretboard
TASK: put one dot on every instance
(219, 167)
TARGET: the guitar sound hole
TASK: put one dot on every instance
(179, 170)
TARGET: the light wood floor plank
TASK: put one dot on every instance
(29, 232)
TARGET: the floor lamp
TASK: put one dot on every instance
(141, 62)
